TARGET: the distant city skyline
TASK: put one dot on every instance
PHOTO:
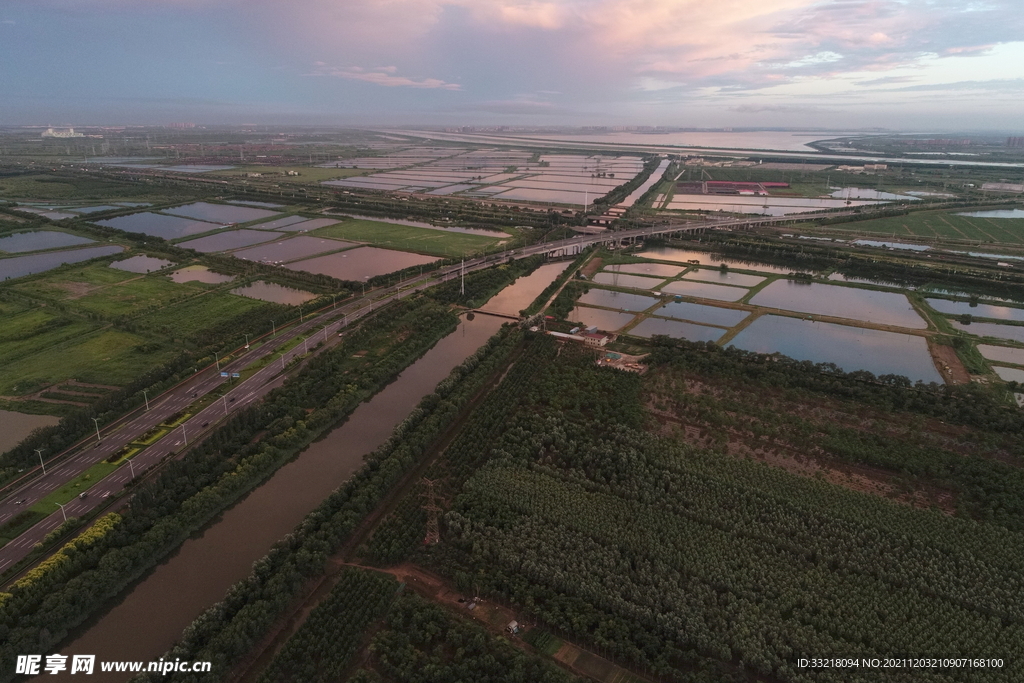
(925, 65)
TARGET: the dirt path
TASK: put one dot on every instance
(948, 364)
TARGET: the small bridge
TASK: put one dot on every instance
(497, 314)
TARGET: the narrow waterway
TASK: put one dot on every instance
(150, 618)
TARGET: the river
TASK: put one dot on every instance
(151, 617)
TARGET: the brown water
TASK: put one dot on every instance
(200, 274)
(151, 617)
(274, 293)
(513, 299)
(360, 264)
(16, 426)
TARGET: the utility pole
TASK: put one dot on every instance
(462, 287)
(184, 434)
(96, 421)
(39, 452)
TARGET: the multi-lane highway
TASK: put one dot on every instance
(73, 463)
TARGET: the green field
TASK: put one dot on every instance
(198, 313)
(943, 225)
(108, 356)
(78, 188)
(409, 238)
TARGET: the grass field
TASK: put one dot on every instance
(80, 188)
(197, 313)
(104, 357)
(306, 173)
(942, 225)
(409, 238)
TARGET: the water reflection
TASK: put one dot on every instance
(274, 293)
(39, 240)
(677, 330)
(622, 280)
(712, 315)
(141, 264)
(20, 266)
(619, 300)
(200, 274)
(976, 310)
(705, 290)
(885, 308)
(1004, 354)
(850, 348)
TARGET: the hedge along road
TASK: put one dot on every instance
(249, 390)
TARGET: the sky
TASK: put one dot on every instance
(904, 65)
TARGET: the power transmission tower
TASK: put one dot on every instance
(432, 509)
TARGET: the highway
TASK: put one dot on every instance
(36, 485)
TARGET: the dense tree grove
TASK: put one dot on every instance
(191, 491)
(322, 648)
(423, 643)
(679, 559)
(226, 632)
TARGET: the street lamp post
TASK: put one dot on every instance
(275, 327)
(145, 394)
(96, 421)
(39, 452)
(225, 397)
(62, 512)
(131, 466)
(217, 358)
(184, 434)
(247, 340)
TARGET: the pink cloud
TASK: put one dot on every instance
(385, 76)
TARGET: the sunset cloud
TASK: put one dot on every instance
(616, 58)
(385, 75)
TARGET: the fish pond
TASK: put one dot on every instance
(850, 348)
(724, 277)
(361, 264)
(662, 270)
(200, 274)
(699, 313)
(884, 308)
(1008, 332)
(705, 290)
(302, 246)
(39, 240)
(977, 310)
(220, 213)
(708, 259)
(1009, 374)
(677, 330)
(609, 321)
(618, 300)
(159, 225)
(626, 280)
(1002, 354)
(141, 264)
(20, 266)
(231, 239)
(274, 293)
